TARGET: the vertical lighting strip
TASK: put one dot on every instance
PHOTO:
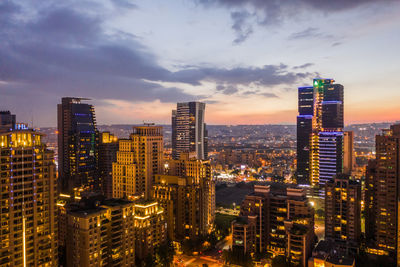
(23, 211)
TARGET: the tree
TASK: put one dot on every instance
(165, 254)
(280, 261)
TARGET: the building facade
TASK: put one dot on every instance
(187, 193)
(28, 199)
(320, 133)
(382, 195)
(150, 227)
(283, 219)
(343, 211)
(349, 161)
(189, 133)
(78, 141)
(101, 234)
(108, 148)
(139, 159)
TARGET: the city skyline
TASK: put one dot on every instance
(244, 59)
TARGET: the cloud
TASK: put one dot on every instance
(310, 32)
(64, 49)
(273, 12)
(227, 90)
(306, 65)
(241, 26)
(336, 44)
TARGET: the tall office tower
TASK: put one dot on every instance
(284, 222)
(139, 159)
(77, 145)
(382, 194)
(28, 197)
(343, 211)
(320, 132)
(150, 228)
(304, 130)
(108, 148)
(101, 233)
(187, 195)
(7, 121)
(189, 132)
(349, 160)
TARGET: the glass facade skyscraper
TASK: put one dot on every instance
(189, 132)
(78, 141)
(320, 132)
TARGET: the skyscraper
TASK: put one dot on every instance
(320, 132)
(304, 130)
(27, 201)
(77, 145)
(139, 159)
(382, 195)
(189, 132)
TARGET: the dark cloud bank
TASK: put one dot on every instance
(62, 49)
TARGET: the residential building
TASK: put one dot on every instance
(108, 148)
(101, 233)
(187, 193)
(150, 227)
(343, 211)
(28, 230)
(139, 159)
(382, 195)
(283, 219)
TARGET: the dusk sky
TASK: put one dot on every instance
(245, 59)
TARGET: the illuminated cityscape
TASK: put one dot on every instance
(199, 133)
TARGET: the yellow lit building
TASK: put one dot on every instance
(139, 159)
(101, 235)
(188, 196)
(108, 148)
(28, 230)
(150, 227)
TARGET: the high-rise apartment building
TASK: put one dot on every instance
(189, 134)
(150, 227)
(320, 132)
(108, 148)
(343, 211)
(283, 220)
(382, 195)
(28, 230)
(77, 146)
(349, 160)
(187, 193)
(101, 233)
(139, 159)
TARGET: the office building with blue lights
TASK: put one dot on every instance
(78, 141)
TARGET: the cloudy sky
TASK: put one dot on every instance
(244, 58)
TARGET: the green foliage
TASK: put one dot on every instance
(280, 261)
(320, 213)
(236, 256)
(223, 224)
